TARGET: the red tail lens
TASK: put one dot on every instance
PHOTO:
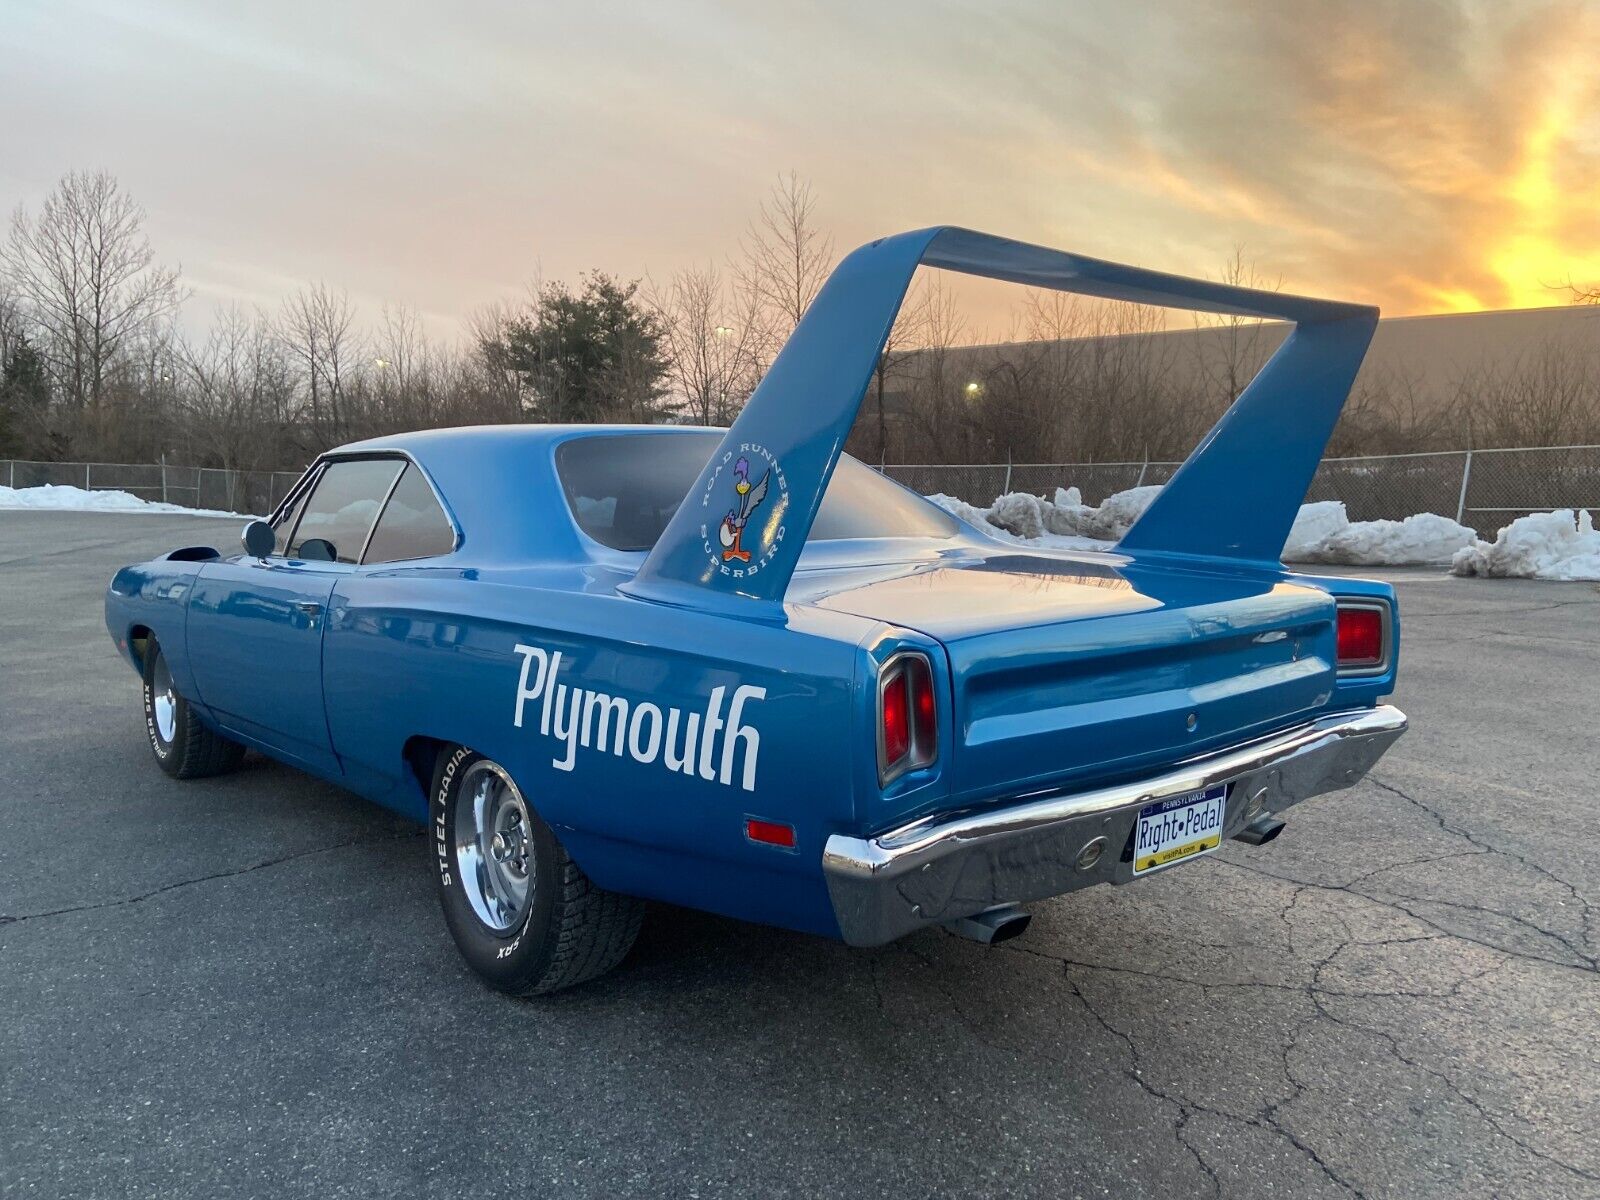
(908, 716)
(896, 719)
(1361, 636)
(921, 681)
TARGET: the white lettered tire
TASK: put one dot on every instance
(183, 747)
(522, 913)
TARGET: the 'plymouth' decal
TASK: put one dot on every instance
(703, 743)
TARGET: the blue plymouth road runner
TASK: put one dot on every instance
(739, 671)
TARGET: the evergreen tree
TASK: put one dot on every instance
(24, 392)
(595, 355)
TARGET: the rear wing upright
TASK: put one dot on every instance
(733, 543)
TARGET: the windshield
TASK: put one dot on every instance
(624, 488)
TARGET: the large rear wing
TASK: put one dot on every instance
(733, 543)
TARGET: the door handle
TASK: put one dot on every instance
(310, 607)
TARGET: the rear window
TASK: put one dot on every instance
(623, 490)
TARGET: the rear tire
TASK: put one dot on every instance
(183, 746)
(523, 914)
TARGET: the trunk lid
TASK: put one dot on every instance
(1087, 667)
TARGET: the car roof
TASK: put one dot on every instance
(500, 484)
(468, 439)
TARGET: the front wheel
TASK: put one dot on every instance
(523, 914)
(183, 746)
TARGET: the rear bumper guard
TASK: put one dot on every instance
(943, 868)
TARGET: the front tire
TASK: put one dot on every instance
(183, 746)
(523, 914)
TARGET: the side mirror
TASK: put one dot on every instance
(258, 539)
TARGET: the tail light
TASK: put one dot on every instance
(908, 721)
(1363, 636)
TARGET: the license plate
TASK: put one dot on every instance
(1172, 830)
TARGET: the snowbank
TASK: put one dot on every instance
(75, 499)
(1322, 532)
(1026, 521)
(1552, 545)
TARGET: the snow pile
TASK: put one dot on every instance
(64, 497)
(970, 513)
(1110, 521)
(1552, 545)
(1021, 514)
(1021, 518)
(1322, 532)
(1031, 517)
(1314, 525)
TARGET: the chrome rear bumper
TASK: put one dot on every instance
(942, 868)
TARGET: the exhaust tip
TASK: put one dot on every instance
(1013, 926)
(992, 926)
(1260, 831)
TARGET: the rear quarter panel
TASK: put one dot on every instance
(1361, 690)
(433, 653)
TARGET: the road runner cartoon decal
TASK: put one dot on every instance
(647, 732)
(739, 548)
(731, 532)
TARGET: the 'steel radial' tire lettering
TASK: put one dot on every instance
(522, 913)
(183, 746)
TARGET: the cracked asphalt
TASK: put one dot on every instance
(242, 986)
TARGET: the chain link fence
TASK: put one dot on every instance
(1483, 489)
(255, 492)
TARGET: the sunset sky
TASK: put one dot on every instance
(1424, 155)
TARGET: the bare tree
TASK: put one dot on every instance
(1549, 395)
(400, 349)
(939, 406)
(1230, 358)
(13, 321)
(907, 336)
(500, 385)
(1391, 411)
(317, 328)
(1081, 379)
(237, 390)
(713, 340)
(785, 256)
(85, 272)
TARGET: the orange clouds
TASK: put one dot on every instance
(1429, 156)
(1424, 155)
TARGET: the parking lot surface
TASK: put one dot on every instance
(243, 987)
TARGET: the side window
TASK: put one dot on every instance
(412, 525)
(334, 524)
(284, 525)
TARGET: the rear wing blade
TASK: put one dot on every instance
(1235, 497)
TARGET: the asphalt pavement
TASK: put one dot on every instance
(243, 987)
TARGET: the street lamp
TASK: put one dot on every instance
(974, 389)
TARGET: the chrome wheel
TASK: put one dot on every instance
(164, 700)
(494, 846)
